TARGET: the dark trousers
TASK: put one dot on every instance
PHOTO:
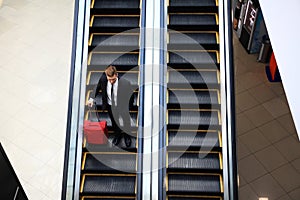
(115, 114)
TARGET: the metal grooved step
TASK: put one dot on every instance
(194, 138)
(108, 184)
(194, 183)
(109, 171)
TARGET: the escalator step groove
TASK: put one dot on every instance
(183, 3)
(114, 59)
(193, 118)
(192, 57)
(182, 183)
(192, 38)
(192, 79)
(193, 97)
(195, 161)
(111, 185)
(113, 21)
(110, 162)
(121, 4)
(115, 40)
(193, 139)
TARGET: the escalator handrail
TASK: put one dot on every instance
(231, 168)
(69, 170)
(141, 107)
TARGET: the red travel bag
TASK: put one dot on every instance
(95, 132)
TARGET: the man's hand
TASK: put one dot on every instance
(90, 102)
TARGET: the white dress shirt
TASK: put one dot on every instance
(115, 89)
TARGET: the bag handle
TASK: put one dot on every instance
(90, 111)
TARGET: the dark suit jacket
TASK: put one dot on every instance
(124, 95)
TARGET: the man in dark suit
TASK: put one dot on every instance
(116, 99)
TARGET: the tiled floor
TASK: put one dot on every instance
(268, 146)
(35, 46)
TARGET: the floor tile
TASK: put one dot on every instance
(250, 163)
(273, 131)
(295, 194)
(259, 115)
(287, 177)
(289, 147)
(270, 158)
(267, 186)
(246, 193)
(254, 140)
(276, 107)
(287, 122)
(262, 93)
(243, 124)
(245, 101)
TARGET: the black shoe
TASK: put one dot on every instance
(127, 141)
(116, 140)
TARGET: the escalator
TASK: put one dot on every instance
(108, 171)
(185, 149)
(194, 168)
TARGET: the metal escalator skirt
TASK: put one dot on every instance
(193, 139)
(112, 185)
(194, 183)
(201, 57)
(193, 97)
(115, 40)
(207, 161)
(117, 4)
(113, 21)
(192, 38)
(114, 59)
(192, 20)
(110, 162)
(193, 118)
(183, 3)
(193, 77)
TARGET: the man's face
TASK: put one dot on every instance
(112, 79)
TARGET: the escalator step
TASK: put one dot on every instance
(98, 99)
(115, 40)
(183, 6)
(193, 161)
(193, 139)
(110, 162)
(193, 38)
(105, 116)
(106, 198)
(193, 198)
(115, 22)
(191, 183)
(94, 77)
(109, 185)
(196, 99)
(183, 3)
(196, 22)
(191, 78)
(109, 147)
(117, 4)
(200, 57)
(193, 118)
(114, 59)
(192, 19)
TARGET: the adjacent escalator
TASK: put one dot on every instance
(108, 171)
(194, 137)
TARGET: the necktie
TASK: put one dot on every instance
(112, 95)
